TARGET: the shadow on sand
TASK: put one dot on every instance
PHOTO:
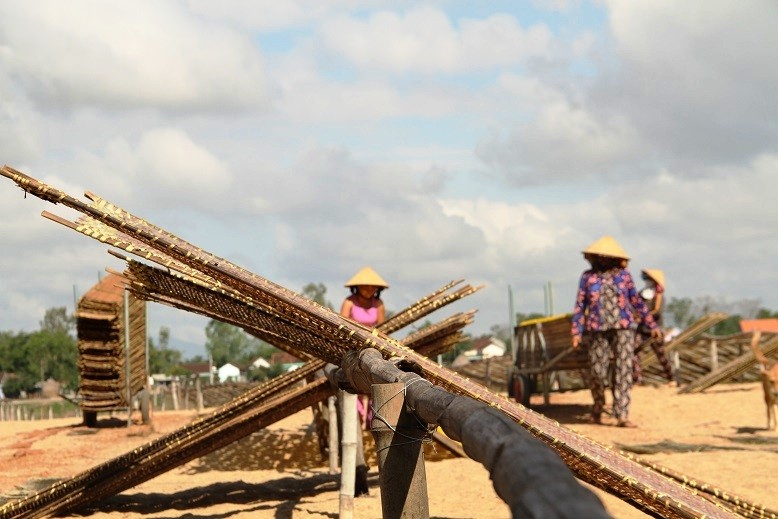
(249, 497)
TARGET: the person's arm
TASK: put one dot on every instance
(345, 308)
(657, 303)
(381, 313)
(578, 312)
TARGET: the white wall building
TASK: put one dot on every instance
(228, 372)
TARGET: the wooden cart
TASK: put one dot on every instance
(545, 359)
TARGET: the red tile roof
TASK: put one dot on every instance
(763, 325)
(109, 290)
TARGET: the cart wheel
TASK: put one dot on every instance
(511, 385)
(521, 389)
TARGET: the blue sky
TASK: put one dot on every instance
(490, 141)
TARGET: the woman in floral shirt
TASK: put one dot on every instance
(603, 314)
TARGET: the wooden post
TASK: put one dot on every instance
(398, 436)
(676, 362)
(332, 418)
(127, 355)
(348, 411)
(174, 392)
(488, 374)
(199, 389)
(714, 356)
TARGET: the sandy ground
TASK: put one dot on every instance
(279, 473)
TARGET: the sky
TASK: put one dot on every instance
(432, 141)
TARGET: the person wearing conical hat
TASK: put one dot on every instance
(364, 306)
(604, 311)
(653, 294)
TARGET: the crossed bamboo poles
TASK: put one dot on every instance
(334, 335)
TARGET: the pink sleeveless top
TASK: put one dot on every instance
(366, 316)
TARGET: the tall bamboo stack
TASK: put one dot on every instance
(102, 342)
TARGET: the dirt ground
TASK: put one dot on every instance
(718, 437)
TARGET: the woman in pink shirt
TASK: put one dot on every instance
(364, 305)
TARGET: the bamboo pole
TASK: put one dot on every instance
(348, 411)
(332, 419)
(199, 389)
(398, 436)
(127, 355)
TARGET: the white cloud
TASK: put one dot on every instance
(564, 141)
(161, 168)
(696, 77)
(271, 15)
(683, 85)
(119, 55)
(424, 40)
(19, 134)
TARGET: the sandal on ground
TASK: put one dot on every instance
(627, 424)
(596, 419)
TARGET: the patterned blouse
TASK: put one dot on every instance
(592, 312)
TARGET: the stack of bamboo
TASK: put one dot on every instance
(103, 358)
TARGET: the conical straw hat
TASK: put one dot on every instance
(657, 275)
(606, 246)
(367, 276)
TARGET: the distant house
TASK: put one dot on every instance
(282, 357)
(201, 369)
(260, 363)
(486, 348)
(228, 373)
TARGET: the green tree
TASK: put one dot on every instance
(48, 353)
(228, 343)
(53, 355)
(681, 311)
(263, 374)
(317, 292)
(728, 326)
(162, 358)
(57, 320)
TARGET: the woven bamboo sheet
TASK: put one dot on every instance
(588, 460)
